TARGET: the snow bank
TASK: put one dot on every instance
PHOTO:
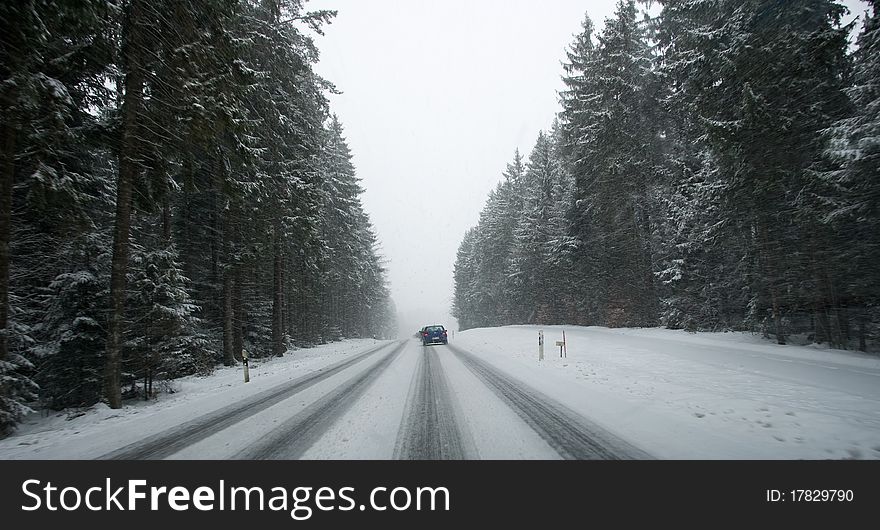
(680, 395)
(90, 433)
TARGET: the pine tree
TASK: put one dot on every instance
(496, 227)
(527, 270)
(72, 334)
(561, 247)
(612, 143)
(52, 62)
(737, 65)
(339, 228)
(851, 191)
(163, 337)
(183, 204)
(134, 49)
(464, 306)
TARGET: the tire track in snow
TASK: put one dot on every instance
(295, 436)
(174, 439)
(429, 430)
(567, 432)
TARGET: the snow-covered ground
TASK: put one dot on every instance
(672, 394)
(90, 433)
(681, 395)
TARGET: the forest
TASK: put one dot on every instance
(174, 193)
(713, 167)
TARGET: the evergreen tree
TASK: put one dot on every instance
(183, 205)
(737, 65)
(498, 221)
(528, 278)
(464, 306)
(851, 193)
(72, 334)
(163, 337)
(612, 143)
(561, 247)
(714, 169)
(340, 231)
(52, 61)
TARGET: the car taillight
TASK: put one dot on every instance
(425, 333)
(444, 333)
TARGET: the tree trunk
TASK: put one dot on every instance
(277, 298)
(821, 299)
(777, 316)
(334, 307)
(215, 241)
(843, 323)
(7, 174)
(228, 320)
(305, 325)
(228, 291)
(146, 358)
(186, 243)
(650, 303)
(285, 303)
(166, 220)
(289, 312)
(128, 168)
(215, 251)
(237, 315)
(821, 324)
(832, 306)
(766, 257)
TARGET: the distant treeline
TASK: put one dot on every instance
(174, 192)
(716, 167)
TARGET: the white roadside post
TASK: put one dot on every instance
(541, 345)
(244, 358)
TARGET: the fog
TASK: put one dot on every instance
(435, 98)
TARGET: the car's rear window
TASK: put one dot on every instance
(434, 328)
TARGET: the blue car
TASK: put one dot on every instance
(434, 335)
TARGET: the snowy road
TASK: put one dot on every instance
(619, 394)
(177, 438)
(298, 419)
(570, 434)
(293, 437)
(430, 430)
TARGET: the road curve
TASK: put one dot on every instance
(567, 432)
(176, 438)
(429, 430)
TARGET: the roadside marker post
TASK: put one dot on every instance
(563, 349)
(541, 345)
(244, 358)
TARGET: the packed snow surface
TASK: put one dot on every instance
(671, 394)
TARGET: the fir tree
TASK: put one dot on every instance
(163, 337)
(612, 143)
(737, 66)
(850, 196)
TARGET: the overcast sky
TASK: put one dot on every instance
(436, 96)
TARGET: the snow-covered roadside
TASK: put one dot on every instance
(93, 432)
(701, 396)
(675, 395)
